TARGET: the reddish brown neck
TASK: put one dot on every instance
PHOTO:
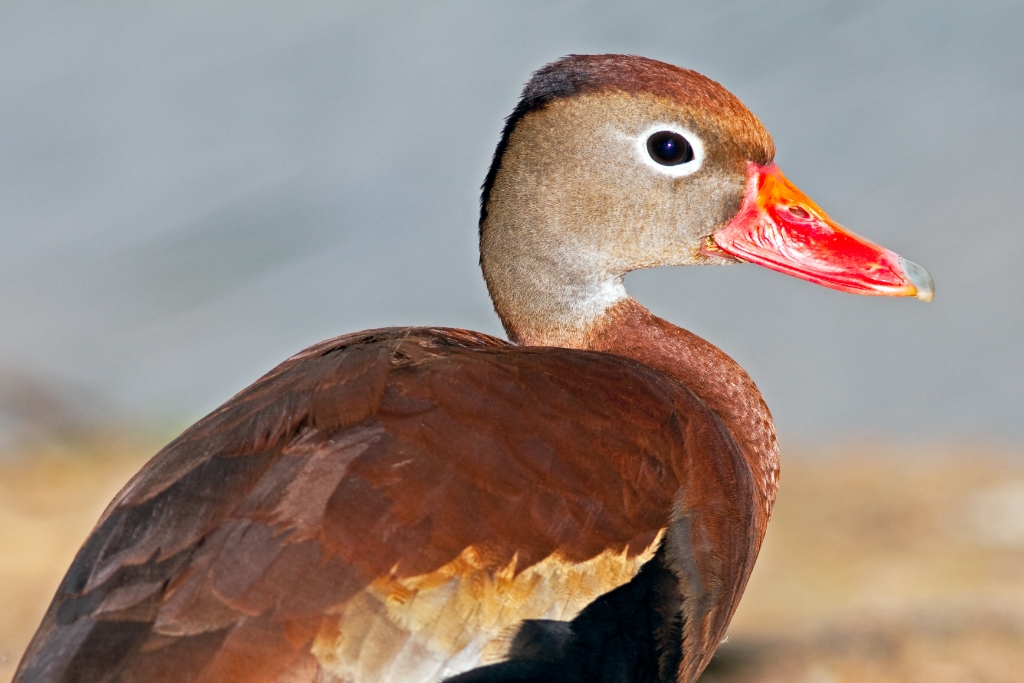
(628, 329)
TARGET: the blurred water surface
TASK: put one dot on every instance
(191, 192)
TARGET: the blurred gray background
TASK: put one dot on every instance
(192, 191)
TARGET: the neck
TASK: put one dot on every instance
(626, 328)
(542, 300)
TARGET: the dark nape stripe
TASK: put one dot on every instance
(566, 77)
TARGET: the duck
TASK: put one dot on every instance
(583, 501)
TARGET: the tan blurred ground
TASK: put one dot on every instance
(882, 563)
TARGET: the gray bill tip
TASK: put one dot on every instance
(919, 277)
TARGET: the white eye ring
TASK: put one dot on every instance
(679, 170)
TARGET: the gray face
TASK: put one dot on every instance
(579, 202)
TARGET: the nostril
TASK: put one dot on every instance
(799, 212)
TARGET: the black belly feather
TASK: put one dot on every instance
(632, 634)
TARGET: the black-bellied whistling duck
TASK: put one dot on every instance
(584, 503)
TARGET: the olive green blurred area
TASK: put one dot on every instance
(883, 562)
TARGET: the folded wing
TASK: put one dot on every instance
(392, 505)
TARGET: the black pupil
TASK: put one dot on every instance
(669, 148)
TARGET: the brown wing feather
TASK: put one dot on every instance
(382, 455)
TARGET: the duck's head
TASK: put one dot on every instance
(613, 163)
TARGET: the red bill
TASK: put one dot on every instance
(780, 228)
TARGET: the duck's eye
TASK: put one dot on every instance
(669, 148)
